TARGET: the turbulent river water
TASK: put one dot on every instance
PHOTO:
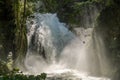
(55, 50)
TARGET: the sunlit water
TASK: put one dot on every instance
(55, 50)
(68, 74)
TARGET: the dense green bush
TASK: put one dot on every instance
(23, 77)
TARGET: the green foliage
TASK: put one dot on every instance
(3, 68)
(6, 67)
(43, 76)
(22, 77)
(69, 11)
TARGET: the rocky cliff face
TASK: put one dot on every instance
(109, 27)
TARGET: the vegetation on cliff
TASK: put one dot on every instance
(13, 15)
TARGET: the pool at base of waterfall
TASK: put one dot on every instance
(68, 74)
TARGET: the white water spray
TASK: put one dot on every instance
(47, 37)
(53, 49)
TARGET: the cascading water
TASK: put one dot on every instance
(47, 37)
(55, 50)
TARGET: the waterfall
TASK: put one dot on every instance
(86, 54)
(47, 37)
(52, 48)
